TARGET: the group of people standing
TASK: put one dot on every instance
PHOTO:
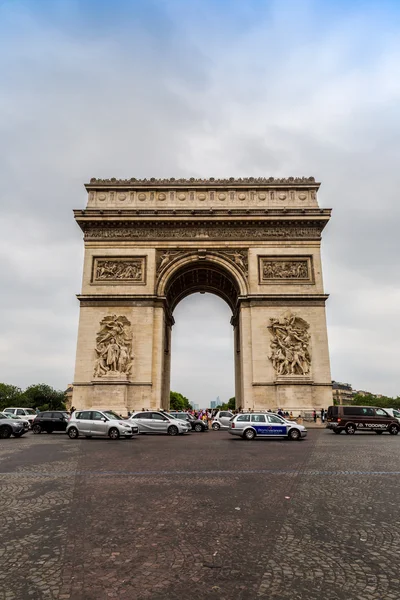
(323, 415)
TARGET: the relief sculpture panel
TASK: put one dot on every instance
(285, 270)
(290, 352)
(119, 270)
(114, 357)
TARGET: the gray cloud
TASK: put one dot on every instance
(279, 89)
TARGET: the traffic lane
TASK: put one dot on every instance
(99, 529)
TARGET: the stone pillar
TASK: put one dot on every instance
(246, 357)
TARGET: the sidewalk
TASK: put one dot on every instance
(312, 425)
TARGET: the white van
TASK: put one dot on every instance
(393, 412)
(29, 414)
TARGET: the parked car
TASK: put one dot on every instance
(158, 422)
(18, 418)
(252, 425)
(93, 423)
(361, 418)
(221, 420)
(10, 426)
(393, 412)
(29, 414)
(50, 421)
(195, 424)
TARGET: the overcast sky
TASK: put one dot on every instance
(177, 88)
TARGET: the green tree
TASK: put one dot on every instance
(43, 397)
(232, 403)
(10, 395)
(178, 402)
(371, 400)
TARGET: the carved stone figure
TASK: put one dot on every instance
(288, 269)
(127, 270)
(290, 354)
(113, 347)
(164, 257)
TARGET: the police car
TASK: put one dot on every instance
(251, 425)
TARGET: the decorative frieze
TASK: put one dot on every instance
(284, 269)
(212, 231)
(121, 270)
(154, 182)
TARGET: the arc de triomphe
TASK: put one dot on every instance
(253, 242)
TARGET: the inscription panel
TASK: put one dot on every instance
(285, 269)
(120, 270)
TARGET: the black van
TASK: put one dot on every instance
(361, 418)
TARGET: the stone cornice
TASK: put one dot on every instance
(204, 183)
(101, 214)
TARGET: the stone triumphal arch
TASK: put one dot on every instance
(253, 242)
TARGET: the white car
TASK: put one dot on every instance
(93, 423)
(252, 425)
(221, 420)
(28, 414)
(152, 421)
(393, 412)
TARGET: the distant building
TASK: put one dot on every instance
(195, 407)
(342, 393)
(213, 404)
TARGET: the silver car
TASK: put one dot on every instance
(93, 423)
(152, 421)
(10, 426)
(221, 420)
(251, 425)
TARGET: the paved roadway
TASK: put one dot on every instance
(200, 516)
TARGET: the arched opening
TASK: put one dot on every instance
(209, 275)
(202, 356)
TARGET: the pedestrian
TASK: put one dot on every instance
(314, 414)
(209, 417)
(322, 415)
(73, 409)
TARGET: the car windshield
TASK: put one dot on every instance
(111, 415)
(30, 411)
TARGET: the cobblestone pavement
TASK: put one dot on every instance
(200, 516)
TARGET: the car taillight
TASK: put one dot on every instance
(339, 419)
(233, 425)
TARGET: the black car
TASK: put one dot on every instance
(56, 420)
(196, 424)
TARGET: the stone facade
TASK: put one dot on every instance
(253, 242)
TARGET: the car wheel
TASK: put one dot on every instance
(350, 429)
(294, 434)
(113, 434)
(249, 434)
(5, 432)
(173, 430)
(379, 432)
(393, 429)
(216, 426)
(198, 427)
(337, 431)
(73, 433)
(36, 429)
